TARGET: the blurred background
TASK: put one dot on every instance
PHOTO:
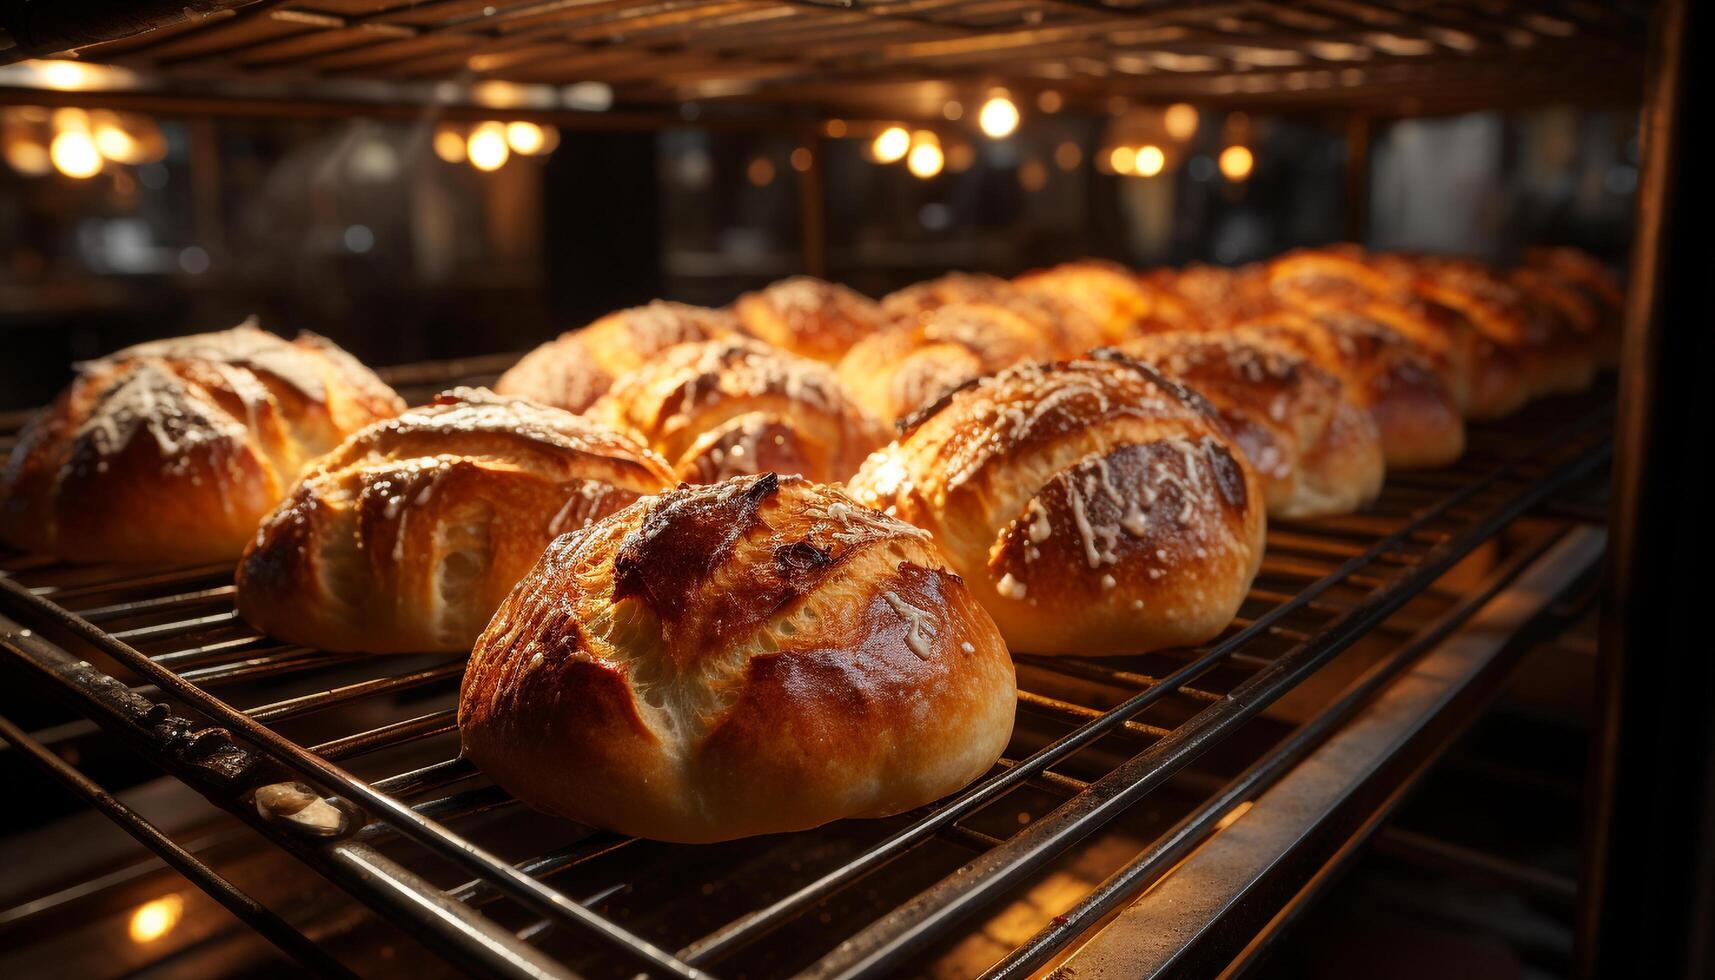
(413, 238)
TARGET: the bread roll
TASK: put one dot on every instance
(756, 656)
(895, 372)
(809, 317)
(171, 451)
(1314, 452)
(726, 408)
(1121, 304)
(1412, 406)
(1063, 326)
(1093, 506)
(1602, 297)
(406, 538)
(577, 367)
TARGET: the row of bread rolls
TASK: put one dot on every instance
(676, 655)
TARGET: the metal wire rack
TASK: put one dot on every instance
(159, 658)
(1349, 52)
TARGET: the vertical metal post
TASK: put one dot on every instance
(1646, 906)
(812, 202)
(1357, 221)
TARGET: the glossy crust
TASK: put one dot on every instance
(1411, 404)
(1093, 506)
(171, 451)
(577, 367)
(895, 372)
(1314, 452)
(407, 537)
(1585, 276)
(1121, 304)
(1063, 326)
(728, 408)
(752, 657)
(809, 317)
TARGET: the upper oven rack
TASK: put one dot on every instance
(900, 58)
(413, 805)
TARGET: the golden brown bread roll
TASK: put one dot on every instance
(407, 536)
(1412, 406)
(726, 408)
(1121, 304)
(173, 450)
(1314, 452)
(1062, 325)
(1588, 280)
(895, 372)
(574, 369)
(751, 657)
(1093, 506)
(809, 317)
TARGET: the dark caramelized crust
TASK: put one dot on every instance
(1029, 451)
(406, 537)
(1315, 452)
(1121, 304)
(756, 656)
(736, 407)
(172, 450)
(577, 367)
(1063, 326)
(809, 317)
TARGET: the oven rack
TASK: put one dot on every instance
(226, 710)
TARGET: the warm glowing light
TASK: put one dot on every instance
(1049, 101)
(1149, 161)
(961, 156)
(1232, 816)
(892, 144)
(926, 160)
(112, 139)
(1067, 156)
(69, 118)
(1122, 159)
(449, 145)
(802, 159)
(835, 128)
(760, 172)
(74, 154)
(487, 146)
(526, 138)
(155, 919)
(1236, 163)
(998, 118)
(953, 111)
(1032, 175)
(1180, 121)
(28, 157)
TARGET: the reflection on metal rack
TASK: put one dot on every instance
(1094, 739)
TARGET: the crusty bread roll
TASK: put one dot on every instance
(1583, 289)
(1121, 304)
(1094, 506)
(1488, 380)
(751, 657)
(809, 317)
(173, 450)
(574, 369)
(895, 372)
(1314, 452)
(406, 537)
(732, 407)
(1062, 325)
(1411, 404)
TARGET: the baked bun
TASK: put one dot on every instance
(574, 369)
(1413, 409)
(1062, 325)
(1094, 506)
(1487, 379)
(895, 372)
(406, 538)
(1596, 283)
(1314, 452)
(733, 407)
(171, 451)
(757, 656)
(809, 317)
(1121, 304)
